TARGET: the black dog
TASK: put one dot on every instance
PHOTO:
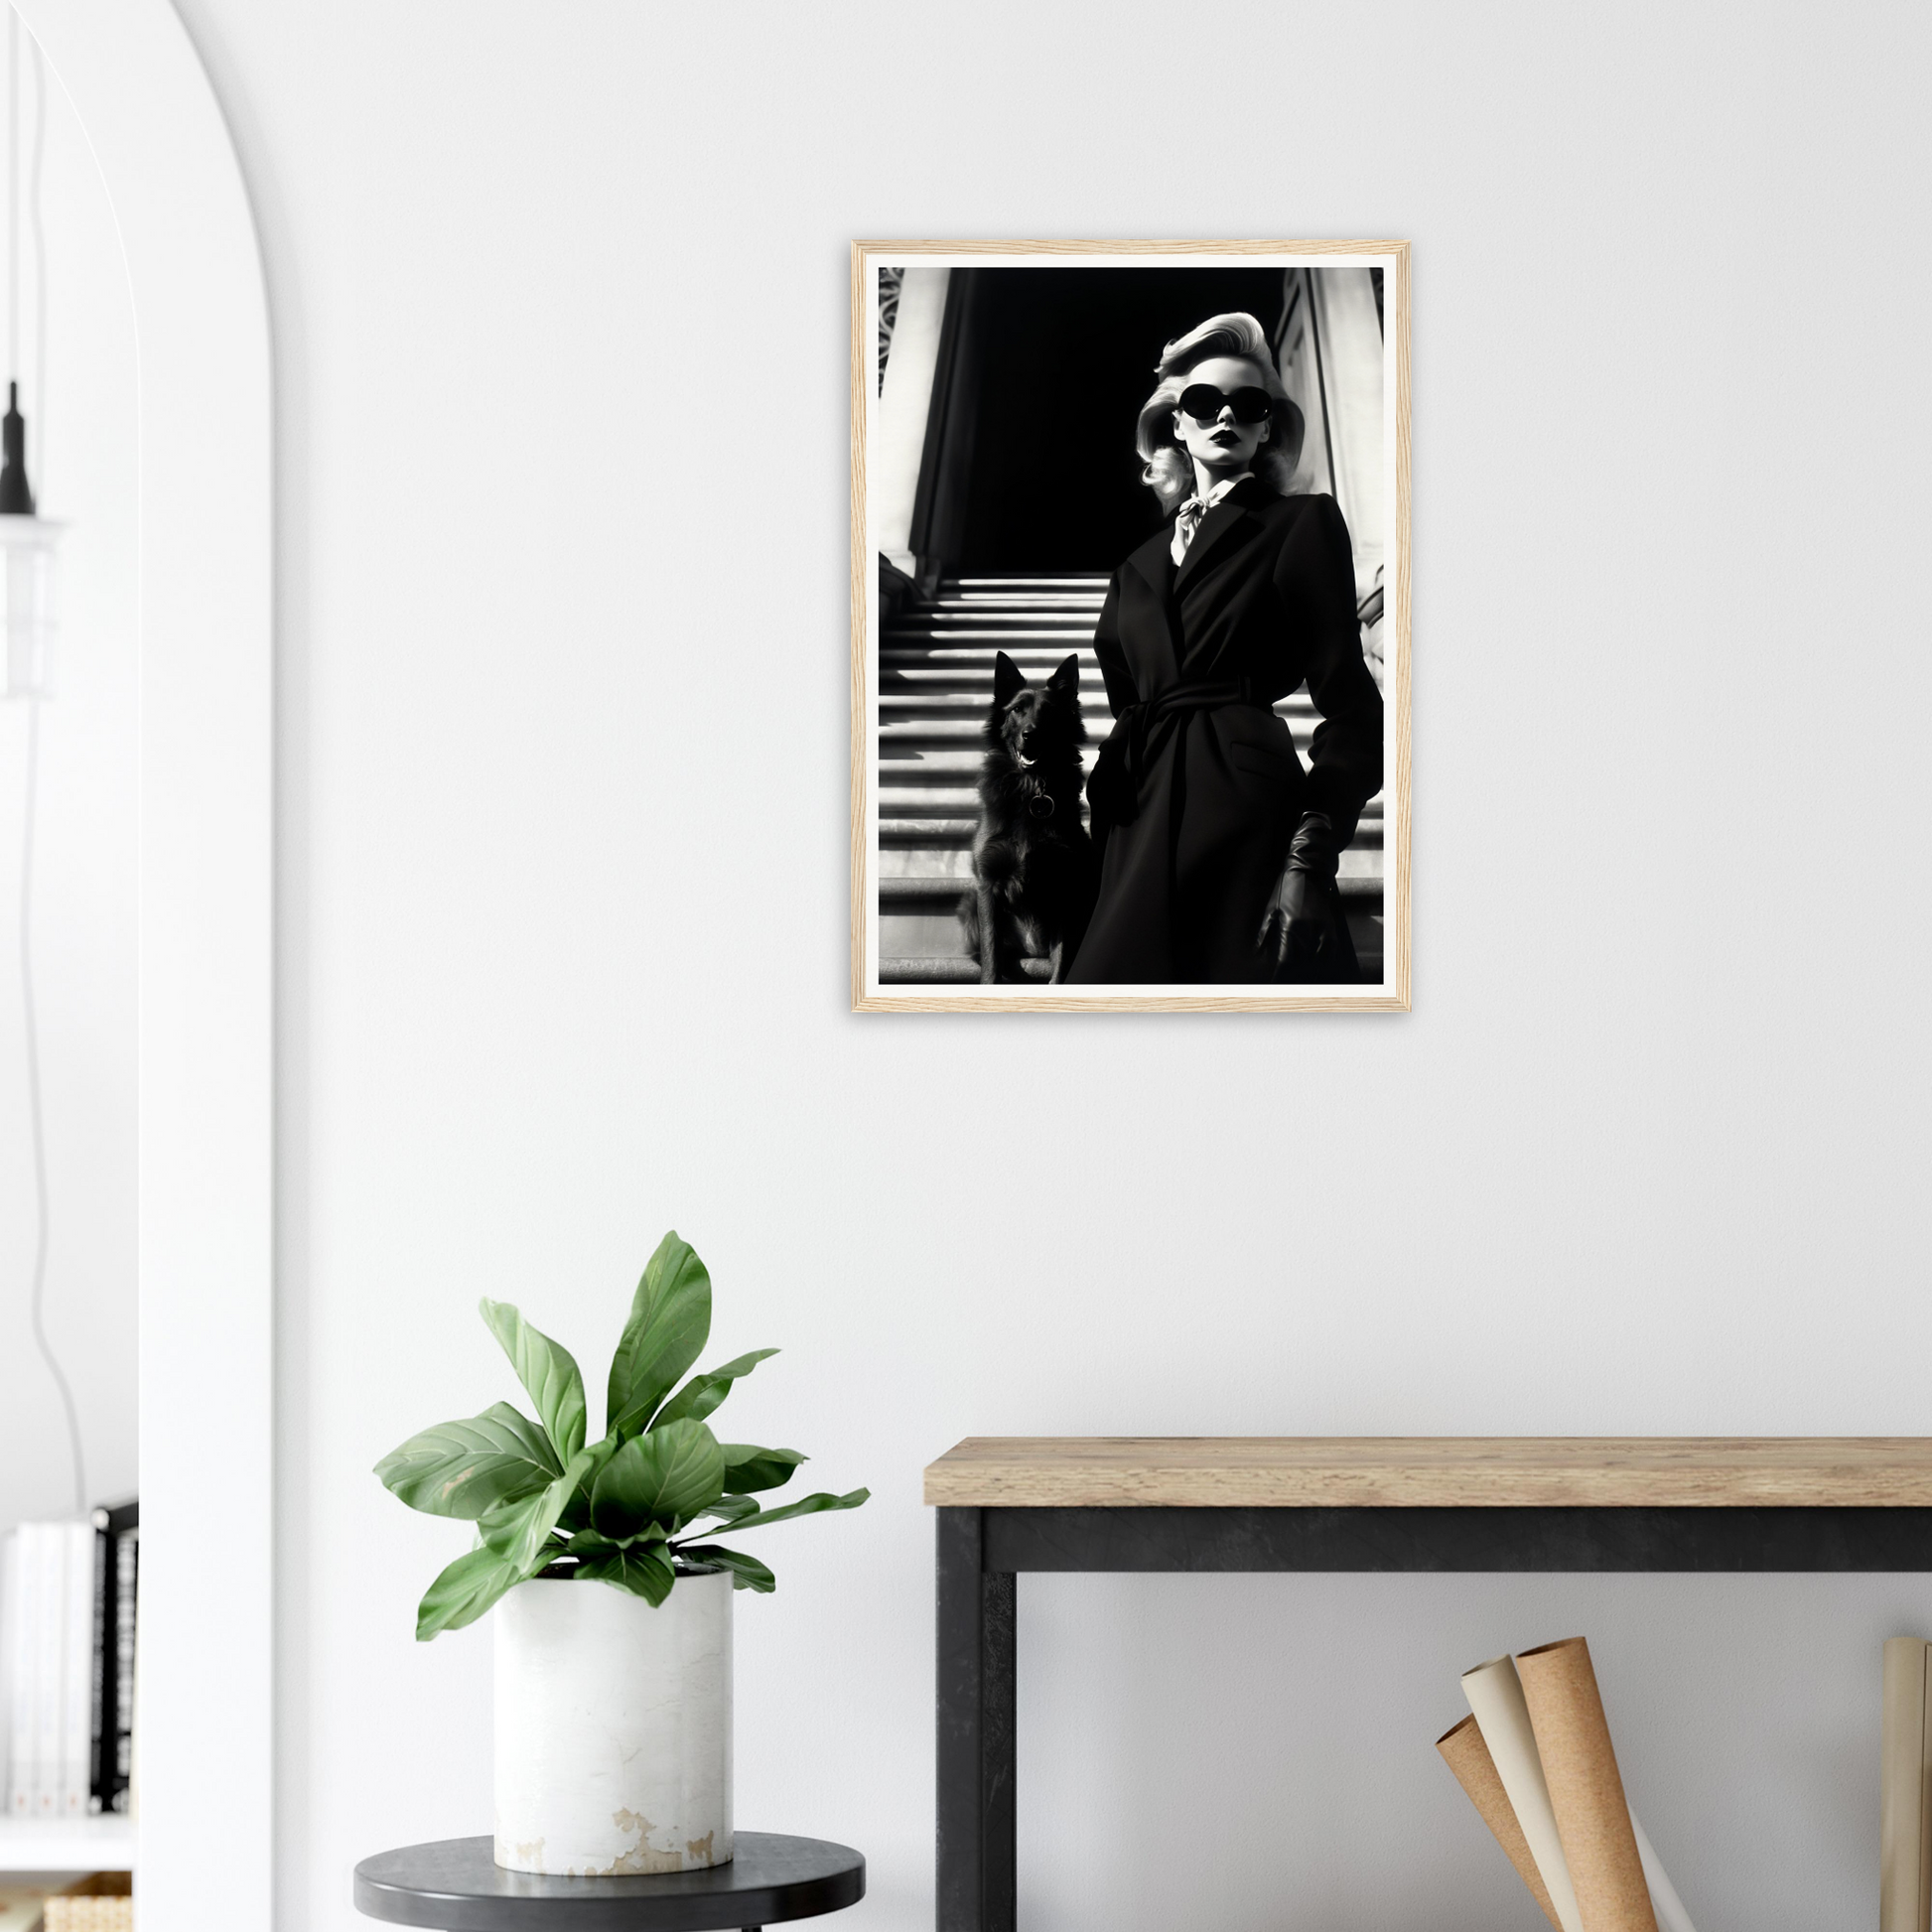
(1033, 862)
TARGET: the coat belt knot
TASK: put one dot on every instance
(1139, 735)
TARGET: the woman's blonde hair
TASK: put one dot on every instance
(1168, 470)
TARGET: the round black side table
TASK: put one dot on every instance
(457, 1885)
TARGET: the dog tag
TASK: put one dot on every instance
(1040, 805)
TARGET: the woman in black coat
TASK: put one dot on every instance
(1217, 850)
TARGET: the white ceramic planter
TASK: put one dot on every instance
(613, 1728)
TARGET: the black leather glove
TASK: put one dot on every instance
(1313, 848)
(1299, 937)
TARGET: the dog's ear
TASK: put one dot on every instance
(1007, 680)
(1068, 678)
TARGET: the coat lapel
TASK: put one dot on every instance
(1223, 518)
(1153, 562)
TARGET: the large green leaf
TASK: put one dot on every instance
(732, 1509)
(464, 1591)
(646, 1571)
(748, 1468)
(587, 1543)
(703, 1393)
(671, 1320)
(577, 1511)
(747, 1572)
(667, 1476)
(468, 1468)
(519, 1532)
(805, 1506)
(547, 1369)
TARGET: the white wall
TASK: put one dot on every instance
(82, 459)
(563, 845)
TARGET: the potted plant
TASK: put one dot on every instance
(614, 1712)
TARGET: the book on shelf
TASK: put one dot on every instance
(68, 1606)
(118, 1527)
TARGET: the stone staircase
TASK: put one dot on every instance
(936, 681)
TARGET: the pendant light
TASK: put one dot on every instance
(27, 539)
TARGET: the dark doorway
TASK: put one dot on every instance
(1062, 361)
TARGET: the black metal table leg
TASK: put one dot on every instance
(976, 1878)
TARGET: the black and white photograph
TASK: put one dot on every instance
(1130, 628)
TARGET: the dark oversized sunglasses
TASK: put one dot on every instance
(1205, 402)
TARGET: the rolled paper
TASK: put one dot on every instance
(1671, 1915)
(1926, 1806)
(1572, 1738)
(1468, 1758)
(1496, 1697)
(1903, 1790)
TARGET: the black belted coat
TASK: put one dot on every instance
(1198, 789)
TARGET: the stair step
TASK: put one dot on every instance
(969, 650)
(904, 734)
(904, 891)
(1035, 645)
(1000, 609)
(939, 833)
(953, 801)
(987, 647)
(998, 603)
(901, 761)
(970, 708)
(954, 861)
(1092, 702)
(935, 970)
(929, 677)
(950, 858)
(901, 800)
(899, 766)
(1072, 630)
(1065, 599)
(974, 705)
(927, 831)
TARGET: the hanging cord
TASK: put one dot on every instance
(13, 192)
(39, 470)
(36, 1119)
(35, 1115)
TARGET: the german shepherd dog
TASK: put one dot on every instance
(1033, 862)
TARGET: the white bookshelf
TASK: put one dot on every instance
(67, 1844)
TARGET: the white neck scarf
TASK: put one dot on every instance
(1187, 518)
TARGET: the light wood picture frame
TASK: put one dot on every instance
(995, 486)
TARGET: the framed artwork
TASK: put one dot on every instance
(1129, 625)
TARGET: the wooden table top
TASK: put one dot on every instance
(1436, 1472)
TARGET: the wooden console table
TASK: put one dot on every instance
(1008, 1504)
